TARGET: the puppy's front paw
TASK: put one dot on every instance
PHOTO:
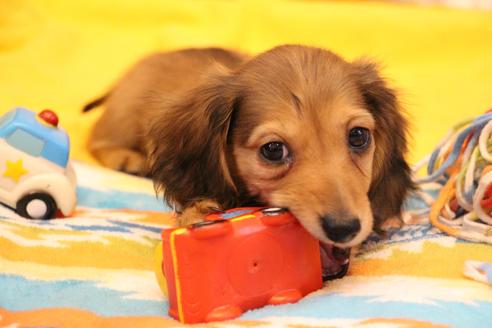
(392, 223)
(197, 212)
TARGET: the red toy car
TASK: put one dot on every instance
(238, 260)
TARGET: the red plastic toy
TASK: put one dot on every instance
(238, 260)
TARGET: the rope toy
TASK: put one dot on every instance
(462, 164)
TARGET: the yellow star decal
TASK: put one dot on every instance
(15, 170)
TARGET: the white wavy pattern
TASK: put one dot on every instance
(409, 289)
(93, 226)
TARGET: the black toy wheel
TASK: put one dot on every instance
(37, 206)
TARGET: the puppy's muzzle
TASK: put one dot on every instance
(340, 230)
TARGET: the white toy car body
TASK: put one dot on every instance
(36, 177)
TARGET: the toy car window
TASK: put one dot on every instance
(26, 142)
(234, 214)
(4, 120)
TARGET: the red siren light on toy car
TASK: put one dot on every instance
(49, 117)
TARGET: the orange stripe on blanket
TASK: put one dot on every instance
(429, 259)
(65, 317)
(117, 253)
(68, 317)
(401, 323)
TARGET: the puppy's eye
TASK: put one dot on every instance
(274, 152)
(359, 138)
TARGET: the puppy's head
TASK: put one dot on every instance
(295, 127)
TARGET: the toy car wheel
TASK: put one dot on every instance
(37, 206)
(272, 211)
(210, 229)
(276, 216)
(205, 223)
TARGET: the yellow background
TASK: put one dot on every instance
(61, 54)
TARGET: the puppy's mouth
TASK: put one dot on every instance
(334, 261)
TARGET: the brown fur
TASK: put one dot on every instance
(117, 139)
(212, 110)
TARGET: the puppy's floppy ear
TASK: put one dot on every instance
(391, 179)
(188, 143)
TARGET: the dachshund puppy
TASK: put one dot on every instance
(295, 127)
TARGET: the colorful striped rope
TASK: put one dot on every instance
(463, 164)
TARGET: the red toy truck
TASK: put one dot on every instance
(238, 260)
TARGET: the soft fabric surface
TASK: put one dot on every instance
(96, 268)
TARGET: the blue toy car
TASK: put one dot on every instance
(36, 177)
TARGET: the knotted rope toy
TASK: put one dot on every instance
(462, 164)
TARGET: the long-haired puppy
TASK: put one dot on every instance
(295, 127)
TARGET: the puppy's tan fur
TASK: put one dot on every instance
(201, 116)
(119, 139)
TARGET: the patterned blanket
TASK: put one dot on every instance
(97, 269)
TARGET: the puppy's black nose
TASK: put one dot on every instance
(340, 230)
